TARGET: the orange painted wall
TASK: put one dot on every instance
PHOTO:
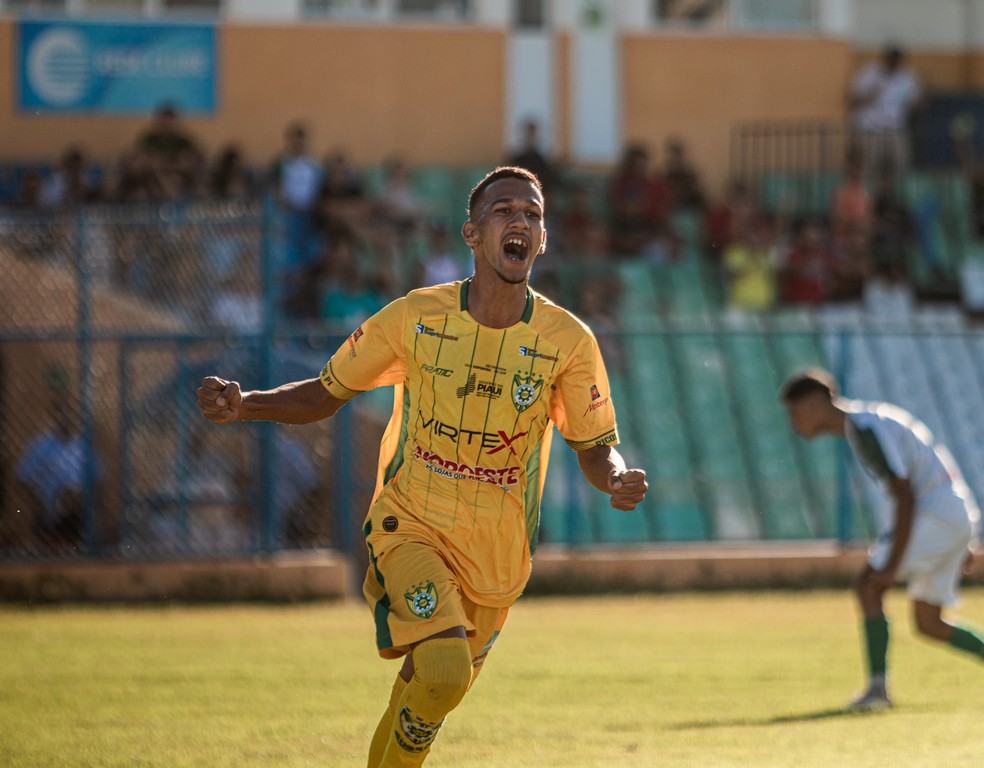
(698, 88)
(433, 95)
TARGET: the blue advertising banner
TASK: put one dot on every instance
(114, 68)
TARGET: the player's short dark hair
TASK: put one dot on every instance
(809, 381)
(502, 172)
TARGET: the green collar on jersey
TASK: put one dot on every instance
(527, 314)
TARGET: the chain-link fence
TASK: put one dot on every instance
(109, 319)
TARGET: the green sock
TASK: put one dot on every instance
(876, 637)
(966, 640)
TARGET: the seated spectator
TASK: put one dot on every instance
(735, 214)
(577, 223)
(682, 177)
(296, 489)
(341, 179)
(440, 264)
(808, 268)
(175, 155)
(530, 156)
(750, 263)
(348, 298)
(893, 229)
(851, 212)
(851, 263)
(30, 191)
(397, 205)
(139, 180)
(52, 472)
(230, 177)
(640, 207)
(72, 183)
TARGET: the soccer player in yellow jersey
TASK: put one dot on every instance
(481, 368)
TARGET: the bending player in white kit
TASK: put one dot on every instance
(932, 522)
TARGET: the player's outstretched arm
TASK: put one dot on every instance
(604, 468)
(300, 402)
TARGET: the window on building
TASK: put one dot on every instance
(193, 7)
(34, 6)
(690, 12)
(530, 14)
(438, 9)
(778, 14)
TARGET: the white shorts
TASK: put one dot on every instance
(933, 560)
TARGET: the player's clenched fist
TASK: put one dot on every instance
(628, 488)
(219, 400)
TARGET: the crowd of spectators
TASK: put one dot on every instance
(343, 247)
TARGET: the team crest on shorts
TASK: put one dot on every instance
(526, 390)
(423, 600)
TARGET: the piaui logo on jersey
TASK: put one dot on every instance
(526, 390)
(530, 352)
(487, 389)
(424, 330)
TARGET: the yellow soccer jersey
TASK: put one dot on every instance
(463, 459)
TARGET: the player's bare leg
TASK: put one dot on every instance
(930, 623)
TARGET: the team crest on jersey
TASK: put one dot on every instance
(526, 390)
(423, 600)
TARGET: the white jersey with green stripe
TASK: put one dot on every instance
(892, 443)
(463, 459)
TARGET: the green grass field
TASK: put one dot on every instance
(708, 680)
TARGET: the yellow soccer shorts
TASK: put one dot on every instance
(413, 594)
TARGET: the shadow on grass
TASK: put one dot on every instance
(802, 717)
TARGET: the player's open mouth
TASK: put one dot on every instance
(516, 248)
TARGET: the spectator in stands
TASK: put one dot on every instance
(342, 181)
(892, 229)
(30, 191)
(175, 154)
(883, 96)
(440, 263)
(397, 205)
(352, 291)
(52, 470)
(750, 263)
(641, 202)
(139, 179)
(682, 176)
(851, 209)
(295, 180)
(597, 306)
(578, 223)
(295, 491)
(230, 177)
(72, 182)
(807, 271)
(723, 221)
(531, 156)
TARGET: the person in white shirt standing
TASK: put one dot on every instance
(883, 95)
(928, 530)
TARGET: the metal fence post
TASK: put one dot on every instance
(85, 386)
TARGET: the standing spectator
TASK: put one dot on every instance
(531, 157)
(72, 182)
(724, 221)
(892, 229)
(230, 177)
(851, 206)
(52, 473)
(296, 179)
(682, 176)
(808, 271)
(440, 264)
(640, 206)
(883, 96)
(397, 205)
(174, 153)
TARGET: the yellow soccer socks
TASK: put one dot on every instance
(381, 737)
(441, 677)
